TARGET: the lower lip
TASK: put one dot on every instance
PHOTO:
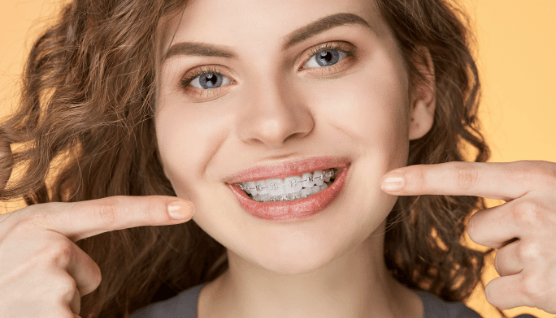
(291, 210)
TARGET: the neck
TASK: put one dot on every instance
(355, 284)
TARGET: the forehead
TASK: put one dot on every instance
(228, 22)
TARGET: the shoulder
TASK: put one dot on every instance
(183, 305)
(436, 307)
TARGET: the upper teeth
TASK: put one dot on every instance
(290, 184)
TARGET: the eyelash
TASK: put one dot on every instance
(184, 83)
(330, 46)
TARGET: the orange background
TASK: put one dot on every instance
(517, 61)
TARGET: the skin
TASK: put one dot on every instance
(43, 272)
(527, 266)
(272, 111)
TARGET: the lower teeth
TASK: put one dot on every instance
(292, 196)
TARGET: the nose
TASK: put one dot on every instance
(273, 113)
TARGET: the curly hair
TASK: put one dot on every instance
(86, 116)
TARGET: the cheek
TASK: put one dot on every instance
(186, 138)
(174, 154)
(370, 106)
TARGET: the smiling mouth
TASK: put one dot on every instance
(291, 188)
(292, 208)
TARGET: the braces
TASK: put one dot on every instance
(292, 183)
(287, 197)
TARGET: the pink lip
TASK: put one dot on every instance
(291, 210)
(289, 168)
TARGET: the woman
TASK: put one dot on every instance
(223, 103)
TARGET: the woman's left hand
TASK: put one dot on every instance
(527, 266)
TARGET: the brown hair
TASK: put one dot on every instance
(86, 116)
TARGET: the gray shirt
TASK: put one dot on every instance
(184, 305)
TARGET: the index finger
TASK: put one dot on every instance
(79, 220)
(494, 180)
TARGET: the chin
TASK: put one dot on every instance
(300, 254)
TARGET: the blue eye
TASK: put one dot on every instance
(325, 58)
(209, 80)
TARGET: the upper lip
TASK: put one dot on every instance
(284, 169)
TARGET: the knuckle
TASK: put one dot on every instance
(529, 252)
(70, 288)
(532, 289)
(106, 213)
(466, 176)
(66, 287)
(527, 213)
(60, 252)
(109, 210)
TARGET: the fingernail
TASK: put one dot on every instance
(180, 210)
(395, 181)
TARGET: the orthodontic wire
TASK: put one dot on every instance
(293, 183)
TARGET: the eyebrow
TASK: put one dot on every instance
(295, 37)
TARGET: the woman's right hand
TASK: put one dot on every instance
(43, 273)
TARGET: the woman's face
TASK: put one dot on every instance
(273, 104)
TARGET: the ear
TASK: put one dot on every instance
(423, 101)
